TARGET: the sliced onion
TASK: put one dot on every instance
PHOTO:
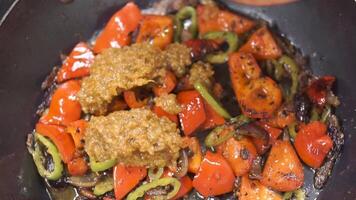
(182, 168)
(253, 130)
(83, 181)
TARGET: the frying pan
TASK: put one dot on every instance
(36, 31)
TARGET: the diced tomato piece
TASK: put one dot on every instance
(117, 31)
(313, 144)
(262, 45)
(156, 30)
(77, 64)
(60, 138)
(193, 114)
(126, 178)
(64, 107)
(211, 18)
(215, 176)
(283, 171)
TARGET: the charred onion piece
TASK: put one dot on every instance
(256, 169)
(182, 164)
(334, 131)
(85, 181)
(86, 193)
(253, 130)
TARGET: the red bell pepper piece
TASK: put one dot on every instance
(185, 187)
(215, 176)
(77, 130)
(201, 47)
(262, 45)
(212, 117)
(273, 133)
(318, 90)
(60, 138)
(211, 18)
(64, 107)
(77, 167)
(312, 143)
(132, 101)
(160, 113)
(283, 171)
(126, 178)
(240, 155)
(117, 31)
(253, 190)
(169, 83)
(156, 30)
(77, 64)
(193, 114)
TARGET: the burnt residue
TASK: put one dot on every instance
(323, 173)
(302, 107)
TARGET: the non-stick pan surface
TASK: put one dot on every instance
(37, 31)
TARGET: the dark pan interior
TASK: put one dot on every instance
(37, 31)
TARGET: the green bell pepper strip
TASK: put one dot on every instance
(231, 39)
(211, 100)
(153, 175)
(326, 113)
(278, 70)
(293, 71)
(101, 166)
(298, 194)
(214, 138)
(38, 158)
(291, 130)
(104, 186)
(314, 114)
(187, 12)
(140, 191)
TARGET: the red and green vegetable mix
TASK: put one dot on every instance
(139, 113)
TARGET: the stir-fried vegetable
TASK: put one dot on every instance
(214, 177)
(140, 191)
(253, 189)
(187, 12)
(55, 172)
(211, 100)
(318, 90)
(126, 178)
(77, 167)
(293, 70)
(117, 31)
(154, 174)
(104, 186)
(101, 166)
(219, 135)
(312, 143)
(325, 114)
(230, 38)
(297, 195)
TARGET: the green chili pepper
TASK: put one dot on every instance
(232, 40)
(101, 166)
(104, 186)
(297, 194)
(293, 71)
(187, 12)
(155, 173)
(314, 114)
(211, 100)
(140, 191)
(291, 130)
(38, 158)
(278, 71)
(326, 113)
(214, 138)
